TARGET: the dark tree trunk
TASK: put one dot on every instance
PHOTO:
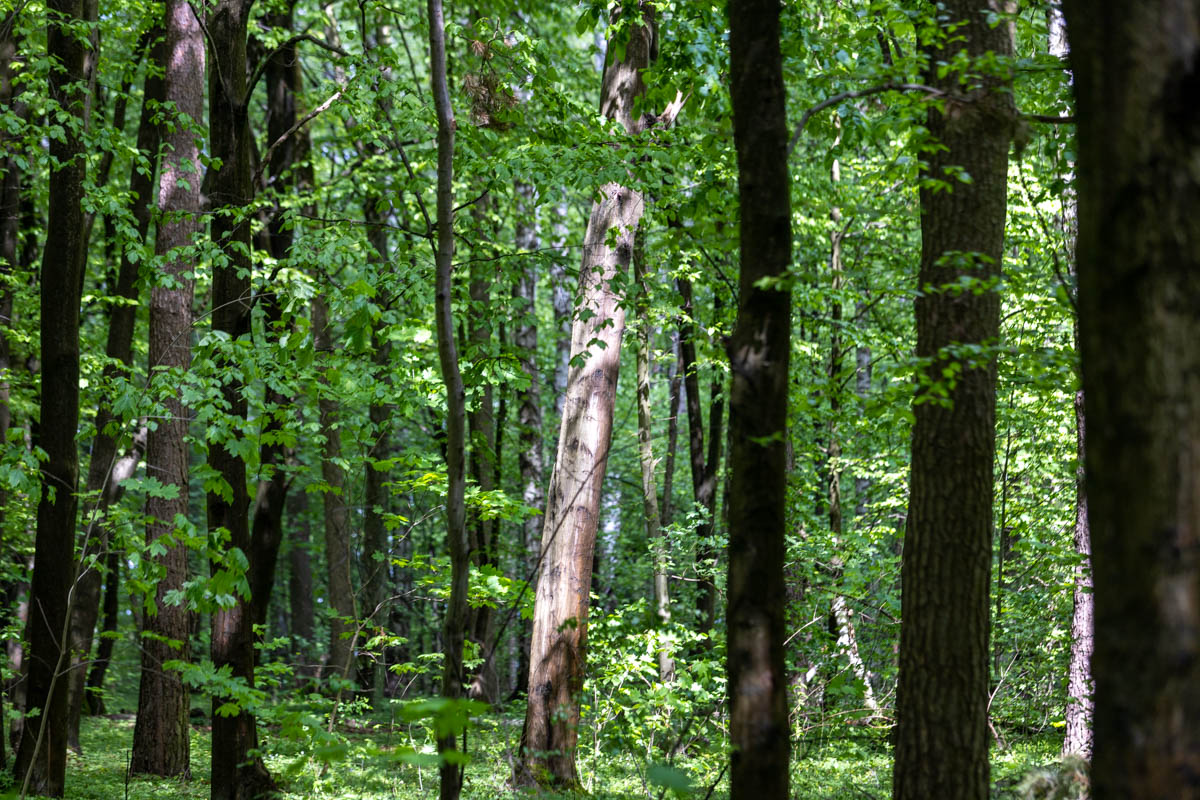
(942, 697)
(454, 627)
(704, 468)
(160, 737)
(42, 757)
(94, 696)
(102, 481)
(759, 354)
(236, 774)
(300, 584)
(1137, 76)
(667, 507)
(558, 646)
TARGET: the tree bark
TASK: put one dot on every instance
(942, 699)
(160, 737)
(1080, 703)
(42, 757)
(103, 487)
(455, 623)
(650, 510)
(300, 585)
(94, 694)
(759, 354)
(558, 645)
(529, 412)
(236, 774)
(1136, 76)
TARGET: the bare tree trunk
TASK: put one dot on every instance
(161, 735)
(237, 774)
(558, 645)
(1080, 703)
(560, 299)
(103, 487)
(455, 624)
(42, 757)
(300, 585)
(94, 694)
(1138, 255)
(942, 697)
(759, 353)
(338, 558)
(667, 507)
(650, 511)
(529, 412)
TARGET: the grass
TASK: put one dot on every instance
(381, 761)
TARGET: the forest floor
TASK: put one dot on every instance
(379, 765)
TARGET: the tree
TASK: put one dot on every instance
(942, 700)
(42, 756)
(558, 644)
(759, 353)
(161, 744)
(1138, 255)
(237, 774)
(454, 627)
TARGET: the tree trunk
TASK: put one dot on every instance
(1138, 252)
(558, 645)
(942, 697)
(650, 511)
(42, 757)
(455, 623)
(704, 470)
(300, 585)
(529, 413)
(94, 695)
(236, 773)
(160, 737)
(338, 558)
(667, 507)
(1080, 704)
(103, 486)
(560, 300)
(758, 353)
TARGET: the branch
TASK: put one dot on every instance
(1050, 119)
(837, 98)
(307, 118)
(299, 37)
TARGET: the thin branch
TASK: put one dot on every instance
(837, 98)
(299, 37)
(1050, 119)
(307, 118)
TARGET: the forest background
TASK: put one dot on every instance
(297, 351)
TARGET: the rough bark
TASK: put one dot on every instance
(1137, 75)
(558, 644)
(236, 775)
(759, 354)
(650, 509)
(942, 726)
(160, 737)
(42, 755)
(103, 485)
(455, 623)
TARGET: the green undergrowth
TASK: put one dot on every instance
(383, 760)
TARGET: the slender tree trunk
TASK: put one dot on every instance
(42, 757)
(1138, 253)
(103, 487)
(236, 773)
(704, 470)
(94, 695)
(343, 625)
(160, 737)
(529, 413)
(560, 300)
(455, 623)
(650, 511)
(758, 353)
(558, 646)
(942, 700)
(1080, 704)
(667, 507)
(300, 584)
